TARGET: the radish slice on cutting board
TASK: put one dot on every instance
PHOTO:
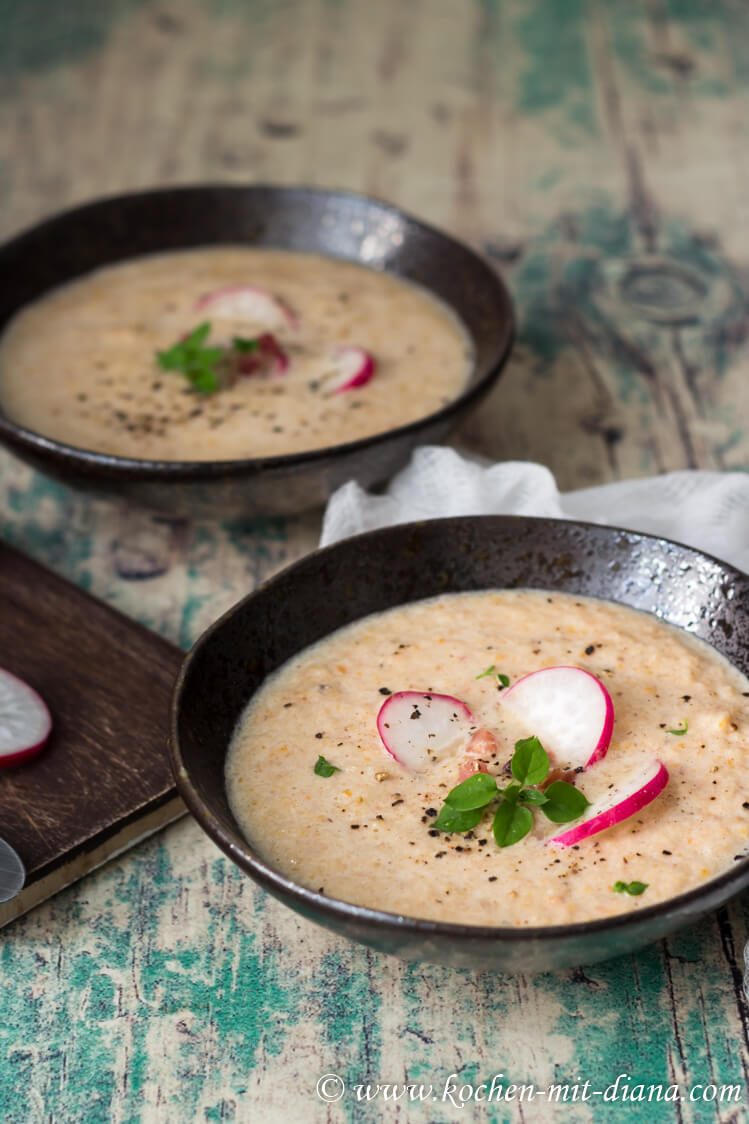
(622, 800)
(350, 367)
(25, 722)
(248, 303)
(417, 726)
(568, 709)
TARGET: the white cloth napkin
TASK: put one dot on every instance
(707, 510)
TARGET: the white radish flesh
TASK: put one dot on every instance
(622, 800)
(25, 722)
(249, 304)
(417, 727)
(568, 709)
(351, 367)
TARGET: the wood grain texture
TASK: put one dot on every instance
(597, 152)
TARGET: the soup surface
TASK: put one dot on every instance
(82, 364)
(366, 833)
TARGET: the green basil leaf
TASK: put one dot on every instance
(564, 802)
(451, 819)
(323, 768)
(474, 792)
(633, 888)
(502, 679)
(199, 335)
(243, 346)
(532, 796)
(511, 823)
(195, 362)
(530, 761)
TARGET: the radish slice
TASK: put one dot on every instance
(269, 355)
(247, 302)
(621, 801)
(352, 367)
(568, 709)
(25, 722)
(416, 727)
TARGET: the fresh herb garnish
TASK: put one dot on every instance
(323, 768)
(197, 363)
(513, 818)
(512, 822)
(530, 761)
(564, 802)
(202, 366)
(633, 888)
(451, 819)
(502, 679)
(532, 796)
(244, 346)
(685, 727)
(475, 792)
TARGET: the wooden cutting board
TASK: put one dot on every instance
(103, 780)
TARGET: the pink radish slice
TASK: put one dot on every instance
(352, 367)
(247, 302)
(568, 709)
(623, 800)
(25, 722)
(416, 727)
(268, 355)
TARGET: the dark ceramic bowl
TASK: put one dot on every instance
(376, 571)
(338, 224)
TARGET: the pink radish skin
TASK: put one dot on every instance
(25, 721)
(625, 799)
(440, 725)
(568, 709)
(247, 302)
(269, 353)
(354, 367)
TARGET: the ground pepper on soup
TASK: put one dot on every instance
(367, 832)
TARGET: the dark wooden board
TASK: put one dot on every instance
(103, 780)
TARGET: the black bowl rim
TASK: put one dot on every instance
(692, 902)
(133, 468)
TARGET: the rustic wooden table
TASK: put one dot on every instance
(596, 152)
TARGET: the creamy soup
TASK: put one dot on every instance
(287, 332)
(366, 833)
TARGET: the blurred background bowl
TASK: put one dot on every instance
(335, 223)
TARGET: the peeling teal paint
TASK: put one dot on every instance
(231, 985)
(700, 27)
(563, 277)
(29, 519)
(557, 72)
(39, 35)
(550, 179)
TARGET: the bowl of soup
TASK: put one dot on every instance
(305, 742)
(240, 350)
